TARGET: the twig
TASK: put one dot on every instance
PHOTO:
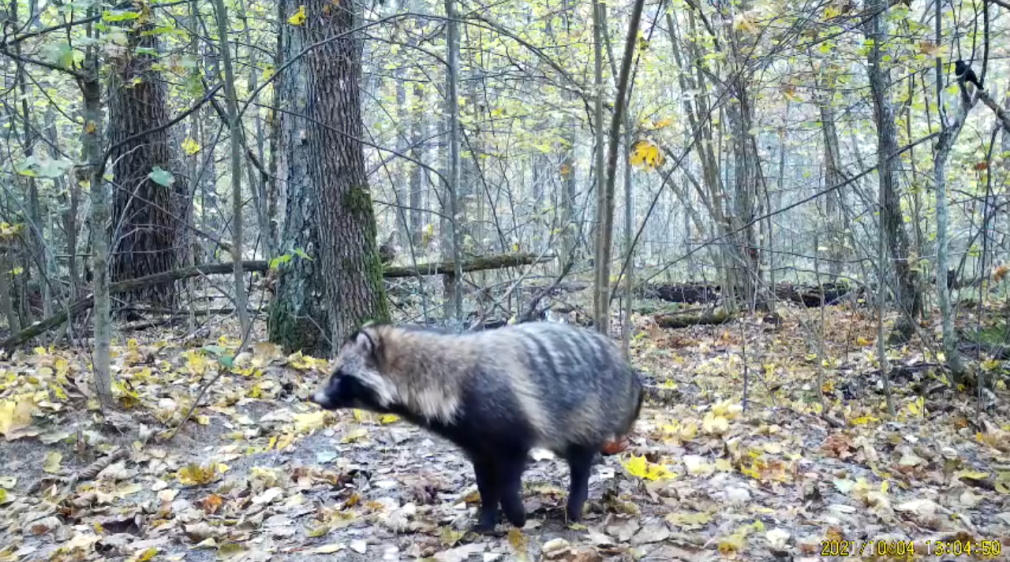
(508, 292)
(535, 300)
(206, 387)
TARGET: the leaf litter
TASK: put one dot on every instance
(257, 473)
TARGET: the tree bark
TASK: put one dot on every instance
(832, 176)
(235, 125)
(908, 296)
(91, 148)
(887, 143)
(944, 146)
(352, 270)
(453, 284)
(148, 217)
(417, 176)
(297, 317)
(601, 290)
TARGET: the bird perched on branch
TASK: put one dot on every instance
(964, 72)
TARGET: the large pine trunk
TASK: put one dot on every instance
(297, 318)
(352, 271)
(148, 217)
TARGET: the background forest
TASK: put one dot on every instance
(793, 198)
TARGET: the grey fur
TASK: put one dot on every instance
(541, 384)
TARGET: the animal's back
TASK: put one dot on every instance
(572, 384)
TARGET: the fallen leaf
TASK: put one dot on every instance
(52, 462)
(328, 549)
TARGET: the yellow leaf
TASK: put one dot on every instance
(299, 17)
(730, 546)
(15, 416)
(448, 536)
(388, 419)
(285, 441)
(917, 407)
(689, 431)
(773, 448)
(355, 435)
(644, 154)
(146, 555)
(689, 521)
(642, 468)
(190, 146)
(972, 475)
(742, 23)
(316, 532)
(714, 424)
(265, 352)
(518, 542)
(52, 462)
(310, 421)
(196, 475)
(728, 409)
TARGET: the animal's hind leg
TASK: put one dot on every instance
(510, 472)
(487, 485)
(580, 465)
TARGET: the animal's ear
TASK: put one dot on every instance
(362, 341)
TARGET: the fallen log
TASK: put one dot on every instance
(811, 295)
(687, 293)
(683, 320)
(476, 264)
(497, 261)
(700, 293)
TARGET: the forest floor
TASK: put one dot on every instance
(259, 474)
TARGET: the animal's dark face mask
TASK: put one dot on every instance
(355, 383)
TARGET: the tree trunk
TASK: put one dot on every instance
(401, 226)
(746, 257)
(235, 126)
(893, 233)
(36, 229)
(944, 146)
(886, 146)
(349, 252)
(453, 283)
(600, 292)
(417, 176)
(91, 148)
(832, 176)
(148, 217)
(297, 317)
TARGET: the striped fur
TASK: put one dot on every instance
(496, 394)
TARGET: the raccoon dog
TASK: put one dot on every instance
(496, 394)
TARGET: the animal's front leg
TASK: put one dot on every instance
(510, 484)
(580, 465)
(487, 485)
